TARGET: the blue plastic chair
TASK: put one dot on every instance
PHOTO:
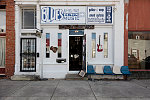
(125, 70)
(107, 70)
(90, 69)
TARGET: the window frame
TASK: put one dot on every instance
(22, 17)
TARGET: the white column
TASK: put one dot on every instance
(17, 39)
(39, 44)
(119, 34)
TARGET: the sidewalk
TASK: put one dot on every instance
(74, 90)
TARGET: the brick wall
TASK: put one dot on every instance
(10, 36)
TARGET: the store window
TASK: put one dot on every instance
(2, 52)
(2, 19)
(139, 50)
(59, 45)
(93, 45)
(28, 18)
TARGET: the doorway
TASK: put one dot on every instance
(28, 55)
(75, 53)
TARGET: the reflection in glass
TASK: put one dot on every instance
(47, 45)
(139, 50)
(105, 45)
(93, 45)
(59, 44)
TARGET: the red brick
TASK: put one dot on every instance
(10, 36)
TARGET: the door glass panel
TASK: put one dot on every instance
(2, 52)
(28, 55)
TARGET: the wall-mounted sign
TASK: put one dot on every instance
(99, 15)
(76, 26)
(63, 14)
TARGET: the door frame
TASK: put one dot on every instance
(21, 55)
(71, 72)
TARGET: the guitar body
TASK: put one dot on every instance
(99, 48)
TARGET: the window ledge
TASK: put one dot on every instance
(28, 30)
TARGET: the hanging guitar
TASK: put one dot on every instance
(99, 46)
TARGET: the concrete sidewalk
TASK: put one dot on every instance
(74, 90)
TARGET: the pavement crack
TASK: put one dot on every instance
(54, 90)
(140, 85)
(20, 88)
(92, 91)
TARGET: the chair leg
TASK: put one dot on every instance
(125, 77)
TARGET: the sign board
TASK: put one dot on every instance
(99, 15)
(63, 14)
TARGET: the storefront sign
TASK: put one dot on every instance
(63, 14)
(76, 26)
(99, 15)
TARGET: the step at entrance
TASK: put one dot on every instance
(75, 77)
(25, 78)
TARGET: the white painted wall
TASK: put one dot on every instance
(51, 69)
(99, 59)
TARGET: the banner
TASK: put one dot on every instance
(99, 15)
(63, 14)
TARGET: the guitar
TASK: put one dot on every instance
(99, 46)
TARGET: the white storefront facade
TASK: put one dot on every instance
(59, 37)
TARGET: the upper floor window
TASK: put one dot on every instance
(29, 18)
(2, 19)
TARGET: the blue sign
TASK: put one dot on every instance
(99, 15)
(62, 14)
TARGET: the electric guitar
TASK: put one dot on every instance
(99, 46)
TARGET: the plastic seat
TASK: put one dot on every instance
(99, 69)
(125, 70)
(107, 70)
(116, 70)
(90, 69)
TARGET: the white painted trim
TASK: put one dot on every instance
(73, 72)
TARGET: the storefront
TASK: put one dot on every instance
(54, 39)
(137, 34)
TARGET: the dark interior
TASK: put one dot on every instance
(75, 53)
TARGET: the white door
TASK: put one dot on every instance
(100, 46)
